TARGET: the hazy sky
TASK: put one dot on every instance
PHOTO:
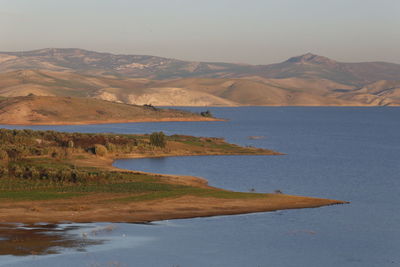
(249, 31)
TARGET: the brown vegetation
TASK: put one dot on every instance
(32, 109)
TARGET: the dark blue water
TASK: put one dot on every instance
(350, 154)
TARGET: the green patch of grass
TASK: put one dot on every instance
(45, 163)
(36, 195)
(232, 195)
(129, 187)
(149, 196)
(191, 191)
(193, 143)
(144, 188)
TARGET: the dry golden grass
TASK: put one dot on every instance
(72, 110)
(248, 90)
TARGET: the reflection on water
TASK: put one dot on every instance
(44, 239)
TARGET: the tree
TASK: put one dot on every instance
(158, 139)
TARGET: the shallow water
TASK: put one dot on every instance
(349, 154)
(45, 239)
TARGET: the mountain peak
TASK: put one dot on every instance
(310, 58)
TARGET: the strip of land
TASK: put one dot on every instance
(107, 208)
(69, 177)
(52, 110)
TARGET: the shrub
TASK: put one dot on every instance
(110, 147)
(206, 114)
(3, 156)
(150, 106)
(3, 172)
(158, 139)
(15, 154)
(100, 150)
(71, 144)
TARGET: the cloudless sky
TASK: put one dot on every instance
(248, 31)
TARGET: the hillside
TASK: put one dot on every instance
(32, 110)
(252, 90)
(89, 62)
(306, 80)
(314, 66)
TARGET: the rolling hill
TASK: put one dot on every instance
(32, 110)
(303, 80)
(199, 91)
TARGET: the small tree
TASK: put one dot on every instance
(158, 139)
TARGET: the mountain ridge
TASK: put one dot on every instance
(154, 67)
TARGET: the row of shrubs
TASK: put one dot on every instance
(63, 139)
(61, 175)
(17, 144)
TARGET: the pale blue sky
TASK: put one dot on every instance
(252, 31)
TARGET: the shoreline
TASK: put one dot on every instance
(186, 207)
(98, 207)
(112, 121)
(82, 185)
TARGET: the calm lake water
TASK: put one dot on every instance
(349, 154)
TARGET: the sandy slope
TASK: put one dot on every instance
(249, 90)
(71, 110)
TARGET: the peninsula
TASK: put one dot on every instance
(57, 110)
(49, 176)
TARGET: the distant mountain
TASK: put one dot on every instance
(313, 66)
(151, 67)
(302, 80)
(89, 62)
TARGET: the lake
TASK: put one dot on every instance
(344, 153)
